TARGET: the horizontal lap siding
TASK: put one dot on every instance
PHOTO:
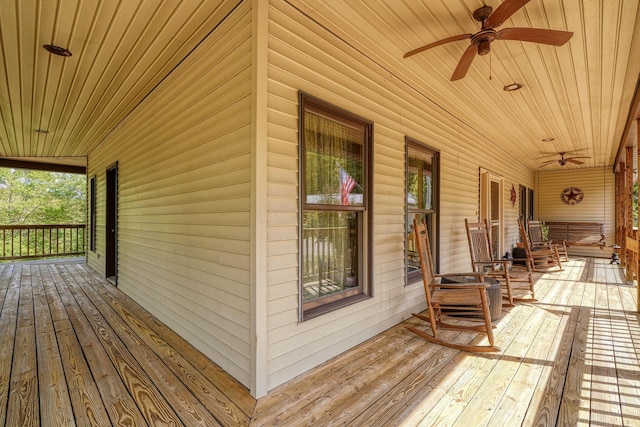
(184, 197)
(305, 56)
(598, 205)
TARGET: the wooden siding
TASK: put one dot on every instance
(598, 205)
(184, 197)
(304, 55)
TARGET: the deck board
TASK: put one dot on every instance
(76, 350)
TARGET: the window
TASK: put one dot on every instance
(92, 213)
(526, 203)
(492, 207)
(335, 216)
(422, 182)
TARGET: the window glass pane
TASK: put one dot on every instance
(421, 191)
(333, 161)
(419, 180)
(413, 259)
(530, 203)
(495, 201)
(330, 253)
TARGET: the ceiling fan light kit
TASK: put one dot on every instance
(481, 41)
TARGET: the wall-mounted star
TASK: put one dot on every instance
(572, 195)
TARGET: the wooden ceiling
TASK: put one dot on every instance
(121, 49)
(580, 94)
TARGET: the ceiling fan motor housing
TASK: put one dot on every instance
(482, 14)
(483, 40)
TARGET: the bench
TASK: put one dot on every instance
(577, 233)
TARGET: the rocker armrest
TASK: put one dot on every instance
(480, 276)
(459, 286)
(495, 261)
(547, 243)
(506, 263)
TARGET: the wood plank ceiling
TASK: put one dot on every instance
(121, 49)
(579, 94)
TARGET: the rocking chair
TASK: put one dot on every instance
(542, 259)
(482, 260)
(538, 240)
(467, 299)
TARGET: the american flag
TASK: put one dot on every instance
(346, 185)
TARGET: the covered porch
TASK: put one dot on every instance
(74, 349)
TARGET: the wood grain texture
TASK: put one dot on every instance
(96, 356)
(538, 379)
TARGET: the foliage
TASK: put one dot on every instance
(40, 197)
(544, 230)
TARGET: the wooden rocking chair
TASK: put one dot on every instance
(467, 299)
(542, 259)
(482, 260)
(538, 241)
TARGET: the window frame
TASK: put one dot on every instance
(433, 226)
(364, 290)
(93, 212)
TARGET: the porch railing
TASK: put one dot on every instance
(41, 241)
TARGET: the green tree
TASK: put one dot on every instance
(40, 197)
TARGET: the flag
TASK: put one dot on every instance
(346, 185)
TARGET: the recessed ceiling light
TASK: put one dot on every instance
(548, 139)
(42, 131)
(513, 86)
(56, 50)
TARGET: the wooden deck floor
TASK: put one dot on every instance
(76, 351)
(73, 349)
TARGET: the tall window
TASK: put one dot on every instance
(422, 201)
(92, 213)
(335, 193)
(526, 203)
(492, 207)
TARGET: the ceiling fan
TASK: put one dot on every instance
(481, 41)
(564, 160)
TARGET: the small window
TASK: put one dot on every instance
(421, 202)
(92, 213)
(335, 216)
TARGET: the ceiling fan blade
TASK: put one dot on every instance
(438, 43)
(503, 12)
(535, 35)
(578, 157)
(577, 162)
(547, 163)
(465, 62)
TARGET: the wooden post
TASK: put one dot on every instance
(628, 204)
(637, 233)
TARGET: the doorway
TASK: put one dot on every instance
(111, 223)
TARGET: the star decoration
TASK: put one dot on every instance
(572, 195)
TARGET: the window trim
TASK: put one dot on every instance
(415, 277)
(307, 102)
(93, 212)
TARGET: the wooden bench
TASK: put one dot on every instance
(577, 233)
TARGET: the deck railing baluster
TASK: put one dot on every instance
(17, 241)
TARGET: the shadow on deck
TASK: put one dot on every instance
(75, 349)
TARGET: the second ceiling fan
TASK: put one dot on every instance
(481, 41)
(564, 160)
